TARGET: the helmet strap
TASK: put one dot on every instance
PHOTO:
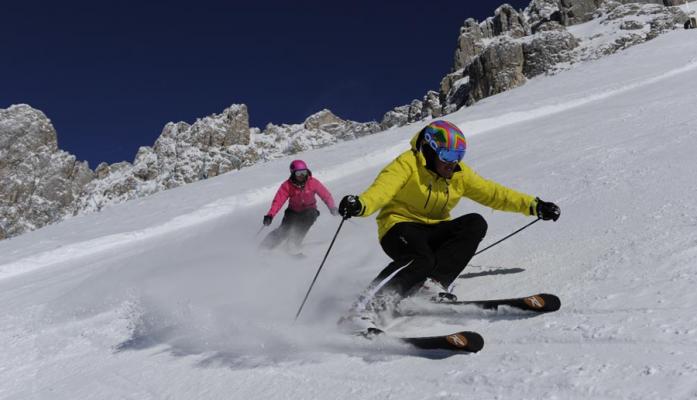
(429, 155)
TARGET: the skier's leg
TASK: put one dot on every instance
(279, 234)
(272, 239)
(408, 245)
(305, 219)
(455, 242)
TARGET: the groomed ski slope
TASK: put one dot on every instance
(168, 298)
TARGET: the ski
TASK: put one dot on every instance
(541, 302)
(462, 342)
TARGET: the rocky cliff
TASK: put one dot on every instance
(39, 183)
(503, 51)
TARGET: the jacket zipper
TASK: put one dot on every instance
(430, 185)
(447, 197)
(301, 189)
(435, 196)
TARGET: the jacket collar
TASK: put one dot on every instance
(298, 184)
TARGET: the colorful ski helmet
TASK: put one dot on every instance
(297, 165)
(446, 140)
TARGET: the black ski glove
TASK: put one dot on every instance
(267, 220)
(547, 211)
(350, 206)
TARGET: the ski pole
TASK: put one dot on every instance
(259, 231)
(492, 245)
(319, 269)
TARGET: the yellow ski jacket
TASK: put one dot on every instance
(406, 191)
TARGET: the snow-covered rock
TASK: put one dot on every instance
(617, 26)
(209, 147)
(431, 106)
(546, 50)
(402, 115)
(497, 69)
(39, 182)
(501, 52)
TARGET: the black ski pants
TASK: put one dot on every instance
(294, 227)
(438, 251)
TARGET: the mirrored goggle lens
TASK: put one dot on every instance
(450, 156)
(300, 172)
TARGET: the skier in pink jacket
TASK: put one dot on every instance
(299, 190)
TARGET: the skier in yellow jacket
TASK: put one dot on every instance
(415, 194)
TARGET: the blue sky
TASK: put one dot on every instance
(110, 74)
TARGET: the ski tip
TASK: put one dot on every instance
(467, 341)
(550, 301)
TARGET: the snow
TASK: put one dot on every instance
(168, 297)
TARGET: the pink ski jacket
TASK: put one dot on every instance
(300, 198)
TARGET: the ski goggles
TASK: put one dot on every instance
(300, 173)
(450, 156)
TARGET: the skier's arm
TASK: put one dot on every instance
(390, 180)
(279, 199)
(495, 195)
(324, 194)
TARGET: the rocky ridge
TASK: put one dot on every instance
(209, 147)
(505, 50)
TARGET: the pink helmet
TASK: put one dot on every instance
(297, 165)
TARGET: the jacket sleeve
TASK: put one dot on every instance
(495, 195)
(388, 182)
(324, 194)
(279, 199)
